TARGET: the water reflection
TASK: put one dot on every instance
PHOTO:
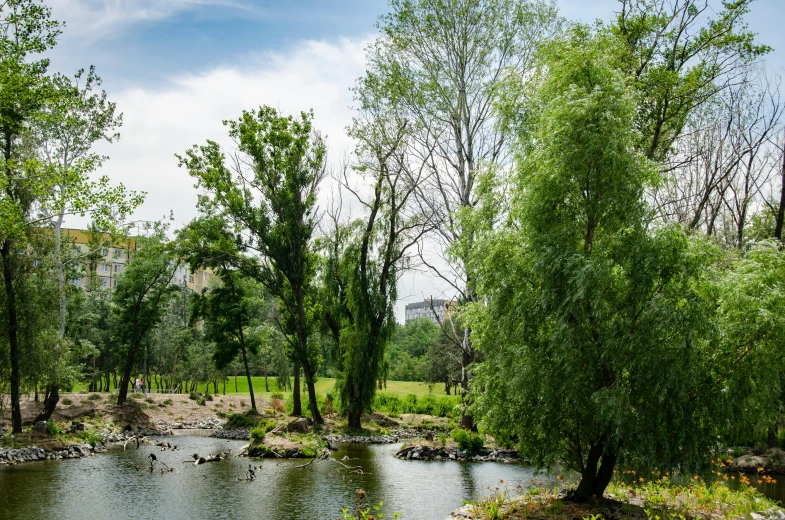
(109, 486)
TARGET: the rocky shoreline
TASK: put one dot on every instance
(241, 434)
(453, 453)
(10, 456)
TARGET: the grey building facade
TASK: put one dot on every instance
(423, 309)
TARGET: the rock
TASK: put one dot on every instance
(748, 463)
(298, 425)
(40, 427)
(754, 516)
(772, 461)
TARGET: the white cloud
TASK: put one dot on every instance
(161, 121)
(95, 19)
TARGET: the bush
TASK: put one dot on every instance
(150, 400)
(248, 419)
(425, 405)
(66, 402)
(94, 397)
(168, 402)
(467, 440)
(52, 428)
(90, 437)
(277, 395)
(193, 396)
(258, 432)
(278, 406)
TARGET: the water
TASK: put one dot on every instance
(108, 486)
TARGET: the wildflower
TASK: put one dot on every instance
(560, 477)
(695, 477)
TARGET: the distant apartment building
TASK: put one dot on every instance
(429, 309)
(112, 261)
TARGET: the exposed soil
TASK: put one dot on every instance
(138, 412)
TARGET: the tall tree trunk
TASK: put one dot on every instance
(54, 392)
(781, 209)
(52, 398)
(126, 377)
(310, 383)
(247, 371)
(594, 480)
(13, 339)
(467, 357)
(773, 441)
(297, 408)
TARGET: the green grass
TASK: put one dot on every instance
(323, 386)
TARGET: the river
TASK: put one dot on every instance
(108, 486)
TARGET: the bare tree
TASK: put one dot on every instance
(444, 61)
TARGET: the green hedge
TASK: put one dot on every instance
(427, 405)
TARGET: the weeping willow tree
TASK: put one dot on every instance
(597, 330)
(366, 256)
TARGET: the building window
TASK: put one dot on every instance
(104, 282)
(117, 268)
(114, 283)
(75, 282)
(106, 267)
(116, 253)
(105, 252)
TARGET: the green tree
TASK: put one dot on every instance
(751, 312)
(442, 62)
(227, 320)
(270, 219)
(28, 31)
(363, 271)
(596, 329)
(140, 297)
(680, 58)
(73, 120)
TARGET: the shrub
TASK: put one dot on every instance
(168, 402)
(277, 395)
(52, 428)
(66, 402)
(443, 440)
(150, 400)
(208, 397)
(467, 440)
(248, 419)
(136, 396)
(426, 405)
(90, 437)
(94, 397)
(193, 396)
(278, 405)
(258, 432)
(329, 404)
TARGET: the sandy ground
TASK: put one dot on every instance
(139, 411)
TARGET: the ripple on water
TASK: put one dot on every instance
(108, 486)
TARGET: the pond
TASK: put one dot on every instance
(108, 486)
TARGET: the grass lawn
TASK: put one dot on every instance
(323, 385)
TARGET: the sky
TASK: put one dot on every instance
(177, 68)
